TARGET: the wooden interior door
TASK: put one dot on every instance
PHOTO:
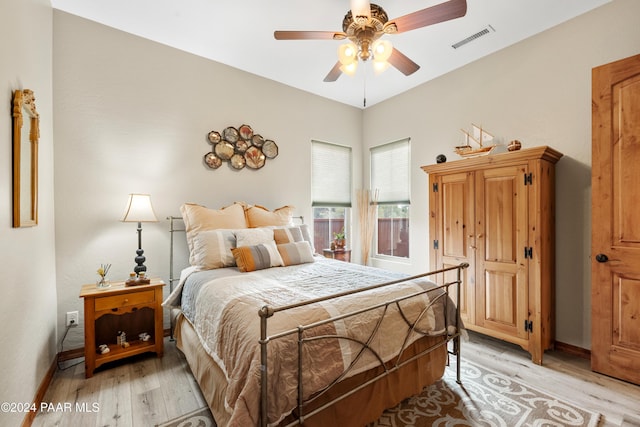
(501, 268)
(457, 240)
(615, 236)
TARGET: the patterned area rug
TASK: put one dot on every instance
(485, 398)
(198, 418)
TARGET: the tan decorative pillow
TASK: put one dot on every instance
(287, 234)
(258, 257)
(259, 216)
(295, 253)
(212, 249)
(199, 218)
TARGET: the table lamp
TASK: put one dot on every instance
(139, 209)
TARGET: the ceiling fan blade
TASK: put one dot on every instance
(432, 15)
(402, 62)
(334, 73)
(309, 35)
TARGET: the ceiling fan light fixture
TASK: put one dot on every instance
(349, 69)
(382, 50)
(348, 53)
(380, 66)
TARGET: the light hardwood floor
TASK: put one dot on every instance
(146, 390)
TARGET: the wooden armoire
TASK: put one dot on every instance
(496, 212)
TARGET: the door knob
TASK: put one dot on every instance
(602, 258)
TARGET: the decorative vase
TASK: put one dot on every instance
(103, 283)
(340, 243)
(514, 145)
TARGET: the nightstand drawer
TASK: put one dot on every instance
(125, 300)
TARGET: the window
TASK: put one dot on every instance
(331, 191)
(390, 171)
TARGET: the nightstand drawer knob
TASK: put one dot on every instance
(126, 300)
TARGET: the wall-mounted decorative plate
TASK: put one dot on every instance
(213, 161)
(237, 161)
(230, 134)
(242, 145)
(214, 137)
(224, 150)
(254, 157)
(245, 132)
(257, 140)
(270, 149)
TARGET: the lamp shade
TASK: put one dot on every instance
(139, 209)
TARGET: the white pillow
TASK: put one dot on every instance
(253, 236)
(212, 249)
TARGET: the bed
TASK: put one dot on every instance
(304, 340)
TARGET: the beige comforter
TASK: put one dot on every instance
(224, 312)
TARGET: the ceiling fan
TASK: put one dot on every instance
(365, 24)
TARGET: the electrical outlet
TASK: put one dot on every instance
(72, 318)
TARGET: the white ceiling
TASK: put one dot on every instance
(239, 33)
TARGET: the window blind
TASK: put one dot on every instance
(390, 172)
(330, 175)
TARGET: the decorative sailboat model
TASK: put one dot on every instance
(480, 138)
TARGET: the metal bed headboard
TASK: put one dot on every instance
(172, 230)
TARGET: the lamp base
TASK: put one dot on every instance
(140, 259)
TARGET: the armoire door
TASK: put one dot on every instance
(615, 236)
(456, 244)
(501, 239)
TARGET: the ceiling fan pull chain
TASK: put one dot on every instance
(364, 90)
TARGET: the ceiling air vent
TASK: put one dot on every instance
(473, 37)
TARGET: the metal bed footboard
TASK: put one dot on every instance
(442, 296)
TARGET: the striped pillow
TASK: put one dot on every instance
(258, 257)
(292, 234)
(295, 253)
(287, 235)
(212, 249)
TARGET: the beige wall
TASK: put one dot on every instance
(27, 255)
(133, 116)
(537, 91)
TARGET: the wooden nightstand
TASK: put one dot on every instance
(339, 254)
(132, 309)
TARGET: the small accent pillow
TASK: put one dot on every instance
(287, 235)
(292, 234)
(258, 257)
(199, 218)
(259, 216)
(253, 236)
(212, 249)
(306, 235)
(295, 253)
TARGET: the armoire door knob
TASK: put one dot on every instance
(602, 258)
